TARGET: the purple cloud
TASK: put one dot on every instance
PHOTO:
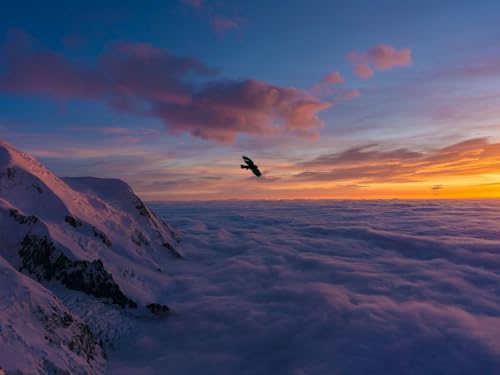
(150, 81)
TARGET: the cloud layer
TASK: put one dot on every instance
(149, 81)
(328, 287)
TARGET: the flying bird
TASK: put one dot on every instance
(250, 165)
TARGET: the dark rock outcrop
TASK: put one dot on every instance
(74, 222)
(41, 258)
(139, 238)
(172, 249)
(37, 188)
(143, 210)
(21, 219)
(102, 236)
(11, 173)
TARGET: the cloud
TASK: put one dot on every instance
(149, 81)
(333, 78)
(350, 94)
(362, 154)
(369, 164)
(386, 57)
(306, 287)
(223, 109)
(363, 71)
(329, 85)
(381, 57)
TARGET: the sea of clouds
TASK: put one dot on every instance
(328, 287)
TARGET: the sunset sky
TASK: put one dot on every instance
(332, 99)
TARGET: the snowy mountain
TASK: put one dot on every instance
(89, 242)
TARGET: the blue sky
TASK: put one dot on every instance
(435, 68)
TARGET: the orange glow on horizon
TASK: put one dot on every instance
(462, 173)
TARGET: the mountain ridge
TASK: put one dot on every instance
(81, 237)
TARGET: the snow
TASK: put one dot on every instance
(115, 228)
(33, 338)
(72, 237)
(370, 287)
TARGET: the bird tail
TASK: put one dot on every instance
(244, 166)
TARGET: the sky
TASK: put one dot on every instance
(332, 99)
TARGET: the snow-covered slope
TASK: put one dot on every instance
(85, 237)
(38, 334)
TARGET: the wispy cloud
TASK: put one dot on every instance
(369, 164)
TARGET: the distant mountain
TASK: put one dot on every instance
(73, 253)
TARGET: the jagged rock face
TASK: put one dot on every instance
(41, 258)
(83, 342)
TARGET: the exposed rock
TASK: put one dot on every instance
(37, 188)
(139, 239)
(73, 221)
(41, 258)
(172, 250)
(83, 343)
(102, 236)
(11, 173)
(142, 208)
(21, 219)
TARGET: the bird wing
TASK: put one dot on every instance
(256, 172)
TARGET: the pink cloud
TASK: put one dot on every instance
(381, 57)
(329, 86)
(363, 71)
(385, 57)
(149, 81)
(223, 109)
(351, 94)
(325, 86)
(333, 78)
